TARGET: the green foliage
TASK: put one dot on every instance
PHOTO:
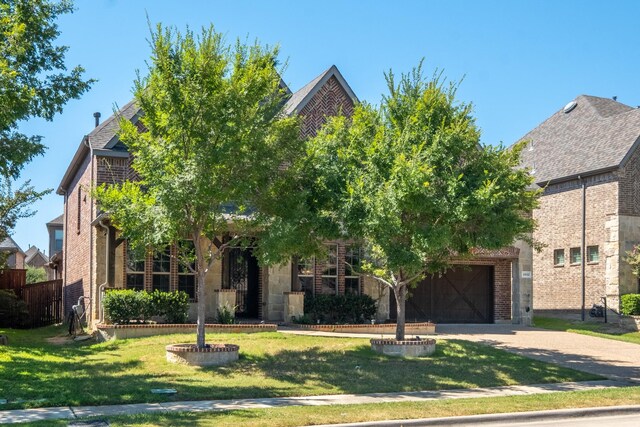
(36, 274)
(633, 259)
(412, 180)
(630, 304)
(335, 309)
(34, 82)
(14, 312)
(226, 315)
(126, 305)
(173, 306)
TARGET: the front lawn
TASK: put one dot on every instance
(271, 365)
(601, 330)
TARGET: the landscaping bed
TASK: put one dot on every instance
(426, 328)
(109, 332)
(271, 364)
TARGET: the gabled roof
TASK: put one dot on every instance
(32, 253)
(57, 221)
(10, 245)
(595, 136)
(102, 137)
(300, 98)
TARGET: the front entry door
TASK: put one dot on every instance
(242, 274)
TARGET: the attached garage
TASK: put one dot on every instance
(476, 292)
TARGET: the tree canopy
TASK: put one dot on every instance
(413, 183)
(215, 154)
(34, 82)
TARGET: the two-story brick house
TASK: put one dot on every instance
(586, 159)
(95, 257)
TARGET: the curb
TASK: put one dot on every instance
(506, 417)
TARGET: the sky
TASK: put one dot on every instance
(518, 61)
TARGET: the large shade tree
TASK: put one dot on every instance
(411, 180)
(215, 157)
(34, 82)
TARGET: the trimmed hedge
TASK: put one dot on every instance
(123, 306)
(335, 309)
(630, 304)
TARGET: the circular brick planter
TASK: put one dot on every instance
(407, 348)
(211, 355)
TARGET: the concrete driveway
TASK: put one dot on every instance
(612, 359)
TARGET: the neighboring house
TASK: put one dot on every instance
(55, 228)
(35, 258)
(16, 256)
(96, 257)
(586, 159)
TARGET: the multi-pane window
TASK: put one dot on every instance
(57, 235)
(305, 270)
(330, 271)
(592, 254)
(558, 257)
(186, 277)
(351, 269)
(575, 256)
(135, 270)
(161, 277)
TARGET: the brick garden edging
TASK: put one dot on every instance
(109, 332)
(379, 328)
(405, 348)
(211, 355)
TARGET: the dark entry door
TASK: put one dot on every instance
(242, 274)
(461, 295)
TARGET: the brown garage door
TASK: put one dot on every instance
(462, 295)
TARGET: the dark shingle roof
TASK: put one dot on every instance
(105, 133)
(57, 220)
(10, 245)
(33, 252)
(596, 135)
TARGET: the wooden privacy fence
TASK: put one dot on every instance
(44, 300)
(13, 279)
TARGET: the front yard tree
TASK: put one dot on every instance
(34, 82)
(416, 186)
(211, 150)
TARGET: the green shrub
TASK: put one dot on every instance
(36, 275)
(14, 312)
(333, 309)
(630, 304)
(226, 314)
(173, 306)
(125, 305)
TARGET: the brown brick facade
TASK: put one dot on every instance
(559, 220)
(330, 100)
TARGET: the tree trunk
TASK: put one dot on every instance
(201, 309)
(400, 293)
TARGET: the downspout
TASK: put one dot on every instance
(582, 244)
(102, 287)
(91, 311)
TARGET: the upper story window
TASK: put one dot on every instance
(558, 257)
(79, 218)
(592, 254)
(57, 243)
(575, 256)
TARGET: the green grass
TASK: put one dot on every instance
(602, 330)
(270, 365)
(300, 415)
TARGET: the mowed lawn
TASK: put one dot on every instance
(595, 329)
(36, 372)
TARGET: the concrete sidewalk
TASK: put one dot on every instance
(41, 414)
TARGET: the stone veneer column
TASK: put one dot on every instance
(222, 298)
(293, 305)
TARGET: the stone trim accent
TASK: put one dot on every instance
(210, 348)
(294, 293)
(421, 341)
(224, 290)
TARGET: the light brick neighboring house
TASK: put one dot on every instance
(95, 256)
(16, 256)
(35, 258)
(586, 159)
